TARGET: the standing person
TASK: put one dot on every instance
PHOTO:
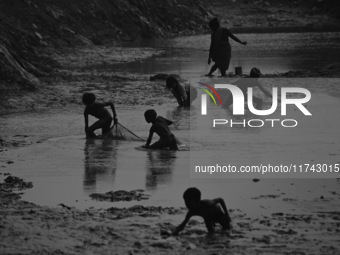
(220, 49)
(98, 111)
(184, 93)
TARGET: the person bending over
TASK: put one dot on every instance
(98, 111)
(184, 93)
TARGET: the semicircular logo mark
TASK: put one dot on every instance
(208, 92)
(218, 96)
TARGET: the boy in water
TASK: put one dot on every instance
(246, 83)
(184, 93)
(211, 210)
(160, 127)
(97, 110)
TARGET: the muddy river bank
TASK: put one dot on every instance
(44, 144)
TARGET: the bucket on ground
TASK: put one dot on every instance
(238, 70)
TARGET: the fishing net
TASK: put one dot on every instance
(119, 132)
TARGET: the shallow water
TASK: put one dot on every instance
(66, 168)
(271, 53)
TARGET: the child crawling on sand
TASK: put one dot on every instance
(99, 111)
(211, 210)
(160, 127)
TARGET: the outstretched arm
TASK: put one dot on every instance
(148, 141)
(236, 39)
(178, 96)
(183, 94)
(113, 111)
(183, 224)
(210, 50)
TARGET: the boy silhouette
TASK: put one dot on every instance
(211, 210)
(98, 111)
(160, 127)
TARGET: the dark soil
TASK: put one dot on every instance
(31, 32)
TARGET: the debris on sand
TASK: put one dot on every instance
(266, 196)
(13, 182)
(285, 232)
(163, 77)
(264, 239)
(121, 195)
(143, 211)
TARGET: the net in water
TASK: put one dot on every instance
(119, 132)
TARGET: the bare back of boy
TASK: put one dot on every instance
(211, 211)
(166, 138)
(104, 117)
(98, 110)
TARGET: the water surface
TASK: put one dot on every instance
(281, 52)
(65, 168)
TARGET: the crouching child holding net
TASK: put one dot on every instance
(160, 127)
(98, 111)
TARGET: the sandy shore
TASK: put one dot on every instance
(27, 228)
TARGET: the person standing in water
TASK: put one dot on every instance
(220, 49)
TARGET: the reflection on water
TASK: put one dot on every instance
(159, 168)
(100, 159)
(68, 169)
(181, 118)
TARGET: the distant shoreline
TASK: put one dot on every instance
(263, 30)
(258, 30)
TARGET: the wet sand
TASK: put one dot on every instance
(269, 216)
(28, 228)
